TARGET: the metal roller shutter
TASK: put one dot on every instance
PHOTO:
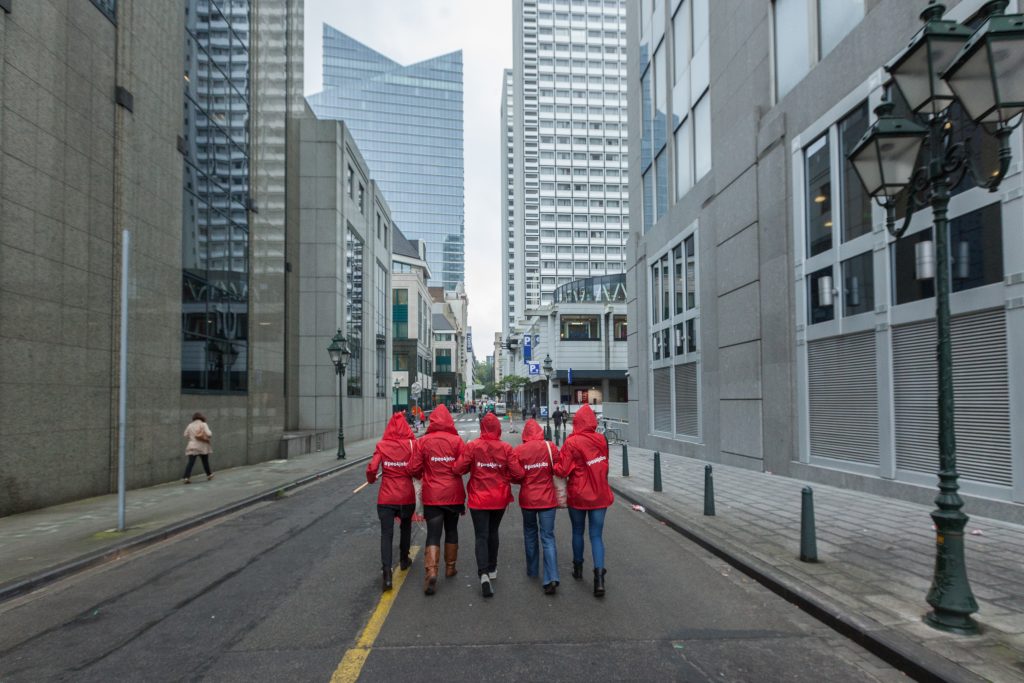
(981, 392)
(843, 397)
(663, 400)
(686, 400)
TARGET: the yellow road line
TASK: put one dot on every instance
(352, 663)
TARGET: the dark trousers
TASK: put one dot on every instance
(387, 514)
(485, 526)
(442, 518)
(192, 462)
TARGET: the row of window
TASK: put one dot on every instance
(588, 327)
(807, 30)
(675, 304)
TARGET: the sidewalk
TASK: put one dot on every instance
(43, 545)
(876, 558)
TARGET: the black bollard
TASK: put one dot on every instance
(709, 492)
(625, 461)
(808, 538)
(657, 471)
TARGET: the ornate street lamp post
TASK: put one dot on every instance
(983, 71)
(398, 383)
(340, 353)
(548, 369)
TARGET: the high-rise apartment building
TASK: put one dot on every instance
(569, 177)
(508, 216)
(407, 121)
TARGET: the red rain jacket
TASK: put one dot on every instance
(585, 461)
(394, 451)
(436, 453)
(537, 490)
(491, 465)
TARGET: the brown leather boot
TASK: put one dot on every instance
(430, 559)
(451, 556)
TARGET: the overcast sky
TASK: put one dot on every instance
(409, 31)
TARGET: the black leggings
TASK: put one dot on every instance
(387, 514)
(444, 517)
(192, 462)
(485, 524)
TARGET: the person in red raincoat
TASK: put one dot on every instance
(443, 494)
(540, 462)
(491, 464)
(396, 497)
(585, 463)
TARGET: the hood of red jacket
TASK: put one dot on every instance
(532, 431)
(441, 421)
(398, 428)
(584, 420)
(490, 427)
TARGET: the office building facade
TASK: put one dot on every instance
(776, 323)
(411, 324)
(408, 122)
(569, 201)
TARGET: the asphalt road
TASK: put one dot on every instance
(282, 591)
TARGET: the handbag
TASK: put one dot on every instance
(560, 483)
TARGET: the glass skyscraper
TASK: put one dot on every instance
(407, 121)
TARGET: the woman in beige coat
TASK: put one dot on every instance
(198, 434)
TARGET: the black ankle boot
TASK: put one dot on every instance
(599, 582)
(577, 570)
(405, 562)
(386, 582)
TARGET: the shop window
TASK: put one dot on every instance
(580, 327)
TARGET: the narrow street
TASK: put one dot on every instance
(282, 591)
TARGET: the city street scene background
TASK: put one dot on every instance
(753, 271)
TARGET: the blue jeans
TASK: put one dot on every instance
(579, 522)
(547, 539)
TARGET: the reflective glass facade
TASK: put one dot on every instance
(215, 225)
(407, 121)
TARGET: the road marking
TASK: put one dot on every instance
(352, 663)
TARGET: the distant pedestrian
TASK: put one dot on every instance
(533, 412)
(558, 419)
(444, 497)
(491, 465)
(199, 435)
(585, 462)
(540, 462)
(397, 497)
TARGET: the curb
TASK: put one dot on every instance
(915, 661)
(22, 586)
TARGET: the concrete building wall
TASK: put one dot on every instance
(751, 287)
(76, 169)
(328, 213)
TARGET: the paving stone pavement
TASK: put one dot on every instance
(876, 554)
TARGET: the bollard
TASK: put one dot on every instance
(709, 492)
(657, 471)
(625, 461)
(808, 538)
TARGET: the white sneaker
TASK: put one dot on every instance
(493, 575)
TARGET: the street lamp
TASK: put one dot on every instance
(340, 353)
(548, 368)
(984, 72)
(398, 383)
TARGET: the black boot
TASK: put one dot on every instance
(386, 582)
(577, 570)
(405, 562)
(599, 582)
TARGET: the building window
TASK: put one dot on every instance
(858, 284)
(805, 31)
(856, 219)
(354, 310)
(580, 327)
(820, 289)
(350, 182)
(443, 360)
(109, 8)
(381, 329)
(361, 199)
(400, 360)
(620, 328)
(400, 313)
(818, 171)
(215, 221)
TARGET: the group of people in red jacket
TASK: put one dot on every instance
(440, 459)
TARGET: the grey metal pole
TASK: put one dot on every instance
(122, 399)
